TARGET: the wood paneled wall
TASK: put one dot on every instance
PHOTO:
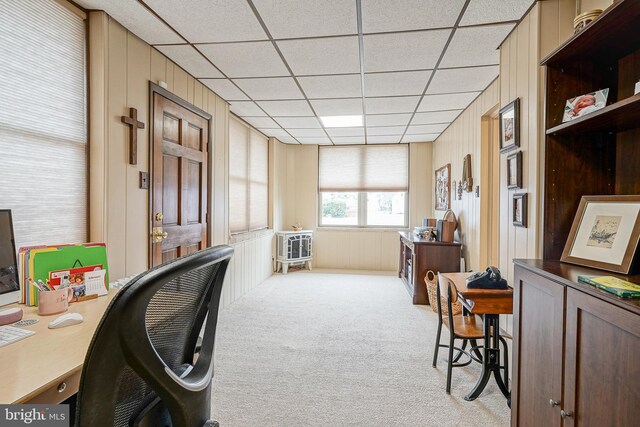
(295, 200)
(120, 68)
(461, 138)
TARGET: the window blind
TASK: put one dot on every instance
(364, 168)
(248, 178)
(43, 141)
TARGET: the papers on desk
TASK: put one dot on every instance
(81, 266)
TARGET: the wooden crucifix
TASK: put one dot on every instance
(134, 125)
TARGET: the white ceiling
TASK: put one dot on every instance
(409, 66)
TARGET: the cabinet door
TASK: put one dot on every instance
(602, 367)
(538, 316)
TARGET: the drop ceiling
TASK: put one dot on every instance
(410, 67)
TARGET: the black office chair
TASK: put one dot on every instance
(141, 368)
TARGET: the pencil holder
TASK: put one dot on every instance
(54, 302)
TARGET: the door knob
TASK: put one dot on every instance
(553, 403)
(158, 235)
(159, 216)
(566, 414)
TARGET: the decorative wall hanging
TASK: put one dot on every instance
(443, 191)
(514, 170)
(520, 210)
(467, 179)
(510, 126)
(134, 125)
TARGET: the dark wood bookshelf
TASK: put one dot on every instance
(619, 116)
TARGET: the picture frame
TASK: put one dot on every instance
(514, 170)
(582, 105)
(443, 188)
(519, 210)
(510, 126)
(605, 233)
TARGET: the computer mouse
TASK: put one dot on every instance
(65, 320)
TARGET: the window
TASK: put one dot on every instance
(43, 139)
(364, 185)
(248, 178)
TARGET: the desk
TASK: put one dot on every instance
(34, 369)
(490, 303)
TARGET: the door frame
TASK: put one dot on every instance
(153, 90)
(489, 199)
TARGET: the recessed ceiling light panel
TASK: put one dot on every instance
(341, 121)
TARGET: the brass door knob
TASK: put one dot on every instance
(566, 414)
(158, 235)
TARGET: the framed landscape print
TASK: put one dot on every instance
(514, 170)
(605, 233)
(520, 210)
(510, 126)
(443, 189)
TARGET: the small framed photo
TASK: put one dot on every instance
(605, 233)
(520, 210)
(510, 126)
(584, 104)
(443, 188)
(514, 170)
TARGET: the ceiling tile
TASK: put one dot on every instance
(388, 119)
(333, 55)
(307, 133)
(270, 88)
(189, 59)
(475, 46)
(275, 133)
(343, 132)
(337, 107)
(348, 140)
(396, 84)
(450, 101)
(308, 18)
(402, 15)
(422, 129)
(298, 122)
(260, 122)
(463, 79)
(401, 104)
(288, 140)
(404, 51)
(314, 141)
(435, 117)
(253, 59)
(225, 89)
(246, 108)
(385, 130)
(286, 108)
(485, 11)
(204, 21)
(137, 19)
(331, 86)
(383, 139)
(428, 137)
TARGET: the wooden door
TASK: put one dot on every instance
(538, 316)
(179, 181)
(602, 373)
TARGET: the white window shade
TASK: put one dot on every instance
(248, 178)
(364, 168)
(43, 162)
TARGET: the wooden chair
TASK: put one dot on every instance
(464, 326)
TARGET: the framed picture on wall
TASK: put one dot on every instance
(443, 189)
(510, 126)
(514, 170)
(605, 233)
(520, 210)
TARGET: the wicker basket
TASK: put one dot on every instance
(431, 280)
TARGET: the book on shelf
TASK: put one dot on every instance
(615, 285)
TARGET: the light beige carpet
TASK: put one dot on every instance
(316, 349)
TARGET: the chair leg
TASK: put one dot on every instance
(450, 363)
(460, 353)
(435, 352)
(476, 350)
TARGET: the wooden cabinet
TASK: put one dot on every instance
(575, 350)
(418, 255)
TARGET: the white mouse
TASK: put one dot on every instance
(67, 319)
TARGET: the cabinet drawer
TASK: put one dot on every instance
(60, 390)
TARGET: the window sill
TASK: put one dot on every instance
(362, 229)
(250, 235)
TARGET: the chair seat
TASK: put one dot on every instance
(465, 326)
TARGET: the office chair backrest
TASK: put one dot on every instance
(140, 367)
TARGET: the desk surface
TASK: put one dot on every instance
(36, 363)
(481, 301)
